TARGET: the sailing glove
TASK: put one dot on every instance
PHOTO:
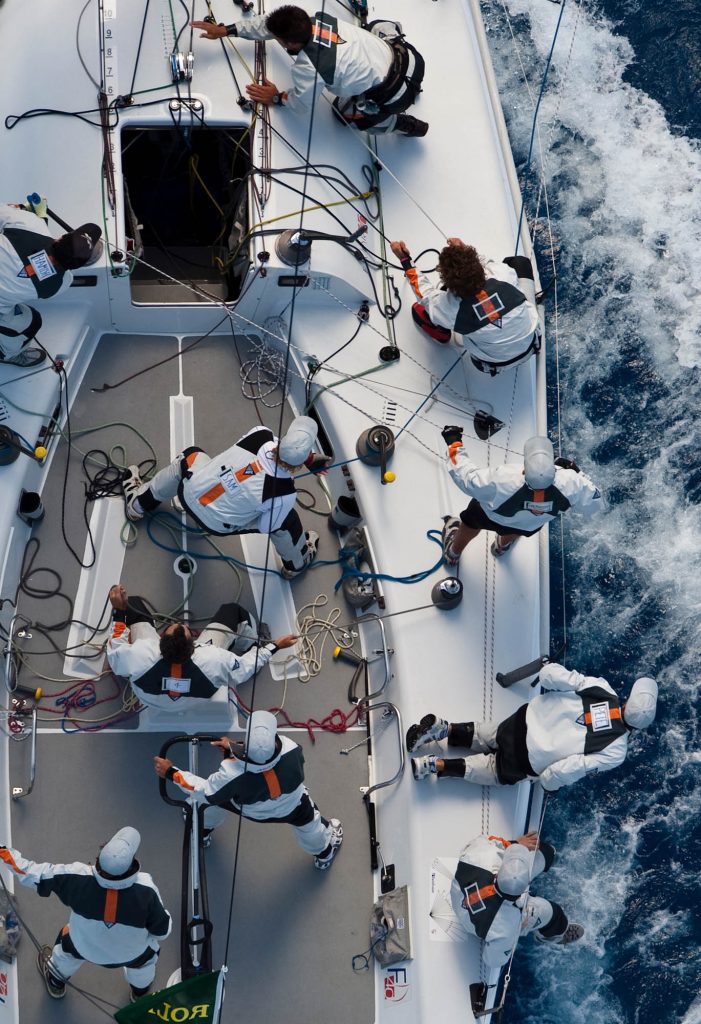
(451, 434)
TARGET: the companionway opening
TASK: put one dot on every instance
(186, 210)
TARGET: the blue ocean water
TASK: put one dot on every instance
(620, 154)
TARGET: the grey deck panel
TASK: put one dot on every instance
(288, 917)
(291, 923)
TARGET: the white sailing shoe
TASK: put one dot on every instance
(324, 860)
(422, 767)
(131, 485)
(430, 728)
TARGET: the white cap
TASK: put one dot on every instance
(538, 462)
(299, 440)
(514, 875)
(260, 742)
(117, 856)
(640, 708)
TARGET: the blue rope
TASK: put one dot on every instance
(414, 577)
(535, 122)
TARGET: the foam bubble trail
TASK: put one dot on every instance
(625, 194)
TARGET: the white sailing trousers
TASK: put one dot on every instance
(64, 965)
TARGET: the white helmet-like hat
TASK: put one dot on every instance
(262, 732)
(514, 875)
(117, 856)
(538, 462)
(639, 710)
(299, 440)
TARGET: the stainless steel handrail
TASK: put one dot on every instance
(369, 616)
(19, 791)
(392, 709)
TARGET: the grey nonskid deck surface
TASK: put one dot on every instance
(294, 929)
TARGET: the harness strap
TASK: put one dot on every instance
(613, 712)
(493, 368)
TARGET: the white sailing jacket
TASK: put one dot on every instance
(497, 341)
(574, 730)
(241, 488)
(362, 61)
(258, 791)
(112, 921)
(477, 904)
(16, 284)
(505, 497)
(160, 684)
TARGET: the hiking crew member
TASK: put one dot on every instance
(34, 265)
(510, 500)
(374, 79)
(263, 780)
(491, 900)
(491, 304)
(577, 728)
(246, 489)
(175, 671)
(117, 916)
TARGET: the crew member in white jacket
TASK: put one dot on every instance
(490, 896)
(491, 304)
(117, 916)
(246, 489)
(577, 728)
(34, 265)
(263, 780)
(510, 500)
(175, 671)
(374, 81)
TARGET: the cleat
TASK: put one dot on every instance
(55, 986)
(136, 993)
(288, 571)
(27, 357)
(410, 126)
(422, 767)
(429, 729)
(131, 485)
(451, 525)
(324, 860)
(498, 549)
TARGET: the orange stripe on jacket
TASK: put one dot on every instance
(500, 839)
(273, 784)
(453, 451)
(118, 628)
(322, 32)
(7, 857)
(488, 306)
(538, 495)
(211, 495)
(180, 779)
(477, 897)
(109, 915)
(189, 459)
(613, 712)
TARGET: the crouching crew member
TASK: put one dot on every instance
(578, 727)
(34, 265)
(374, 81)
(263, 780)
(491, 304)
(491, 900)
(246, 489)
(117, 917)
(175, 671)
(510, 500)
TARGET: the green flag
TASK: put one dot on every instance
(198, 1000)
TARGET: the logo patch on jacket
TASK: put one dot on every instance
(174, 687)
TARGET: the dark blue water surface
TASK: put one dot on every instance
(620, 124)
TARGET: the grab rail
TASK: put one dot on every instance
(385, 652)
(17, 792)
(367, 791)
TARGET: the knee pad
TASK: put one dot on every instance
(424, 322)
